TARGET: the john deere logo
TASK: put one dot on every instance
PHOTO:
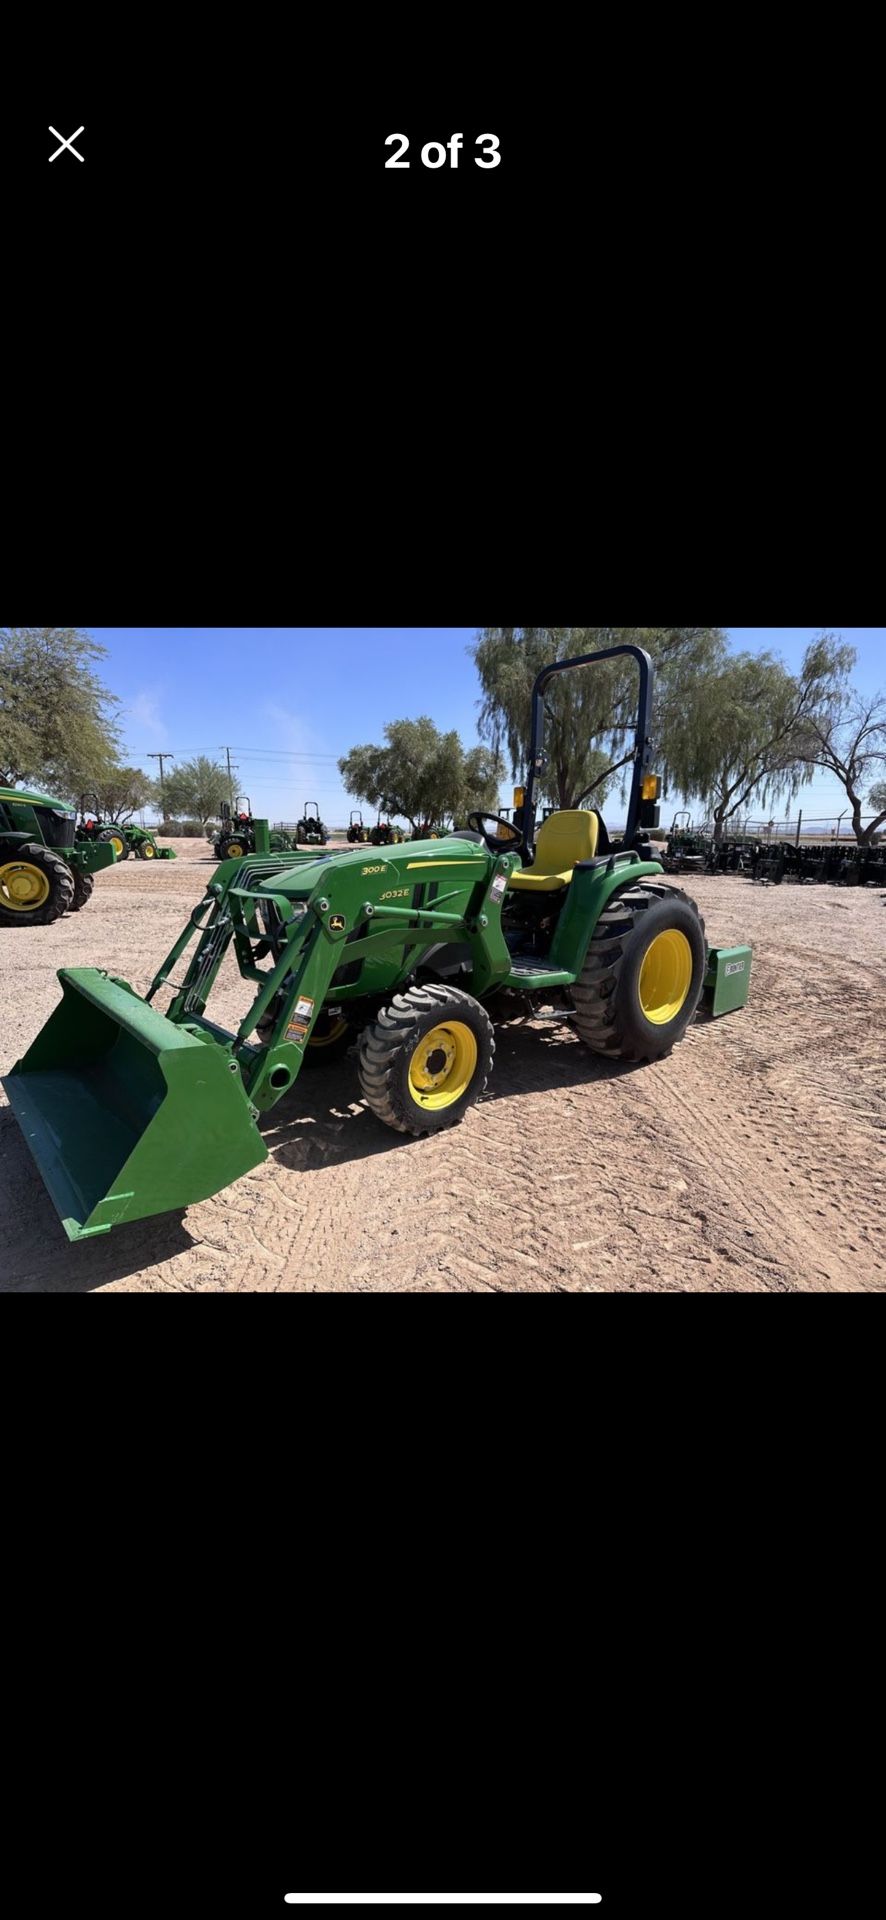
(337, 922)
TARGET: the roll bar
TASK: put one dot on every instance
(643, 749)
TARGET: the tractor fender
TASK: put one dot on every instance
(449, 960)
(594, 882)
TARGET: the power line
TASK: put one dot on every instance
(259, 753)
(288, 753)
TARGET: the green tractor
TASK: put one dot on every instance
(686, 848)
(130, 1111)
(310, 831)
(385, 834)
(124, 840)
(357, 833)
(44, 871)
(237, 836)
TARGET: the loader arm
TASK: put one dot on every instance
(328, 929)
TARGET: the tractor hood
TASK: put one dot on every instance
(408, 865)
(25, 795)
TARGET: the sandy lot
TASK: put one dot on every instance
(752, 1160)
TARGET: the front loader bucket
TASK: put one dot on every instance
(125, 1113)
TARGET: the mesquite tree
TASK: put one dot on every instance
(121, 792)
(749, 726)
(422, 775)
(848, 739)
(197, 788)
(57, 725)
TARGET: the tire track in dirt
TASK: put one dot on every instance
(750, 1160)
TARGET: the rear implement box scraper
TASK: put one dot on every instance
(130, 1111)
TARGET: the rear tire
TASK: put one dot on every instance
(632, 1002)
(83, 885)
(426, 1059)
(121, 844)
(40, 883)
(331, 1037)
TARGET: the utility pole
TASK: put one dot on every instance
(161, 757)
(231, 772)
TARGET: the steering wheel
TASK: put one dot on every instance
(514, 839)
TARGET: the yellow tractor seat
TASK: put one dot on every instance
(563, 840)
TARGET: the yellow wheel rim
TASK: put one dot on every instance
(234, 851)
(336, 1029)
(148, 850)
(117, 844)
(443, 1065)
(22, 886)
(665, 976)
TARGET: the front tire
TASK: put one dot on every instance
(426, 1059)
(36, 886)
(643, 975)
(83, 885)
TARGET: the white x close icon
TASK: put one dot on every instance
(66, 143)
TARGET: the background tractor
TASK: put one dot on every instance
(357, 833)
(44, 871)
(384, 834)
(124, 840)
(310, 831)
(236, 835)
(686, 851)
(131, 1111)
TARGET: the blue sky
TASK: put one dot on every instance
(290, 700)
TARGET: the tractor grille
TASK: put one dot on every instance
(57, 828)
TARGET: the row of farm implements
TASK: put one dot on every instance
(780, 860)
(694, 850)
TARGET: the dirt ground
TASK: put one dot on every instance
(751, 1161)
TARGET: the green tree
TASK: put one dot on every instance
(590, 714)
(197, 787)
(422, 774)
(847, 738)
(745, 728)
(482, 774)
(121, 791)
(57, 724)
